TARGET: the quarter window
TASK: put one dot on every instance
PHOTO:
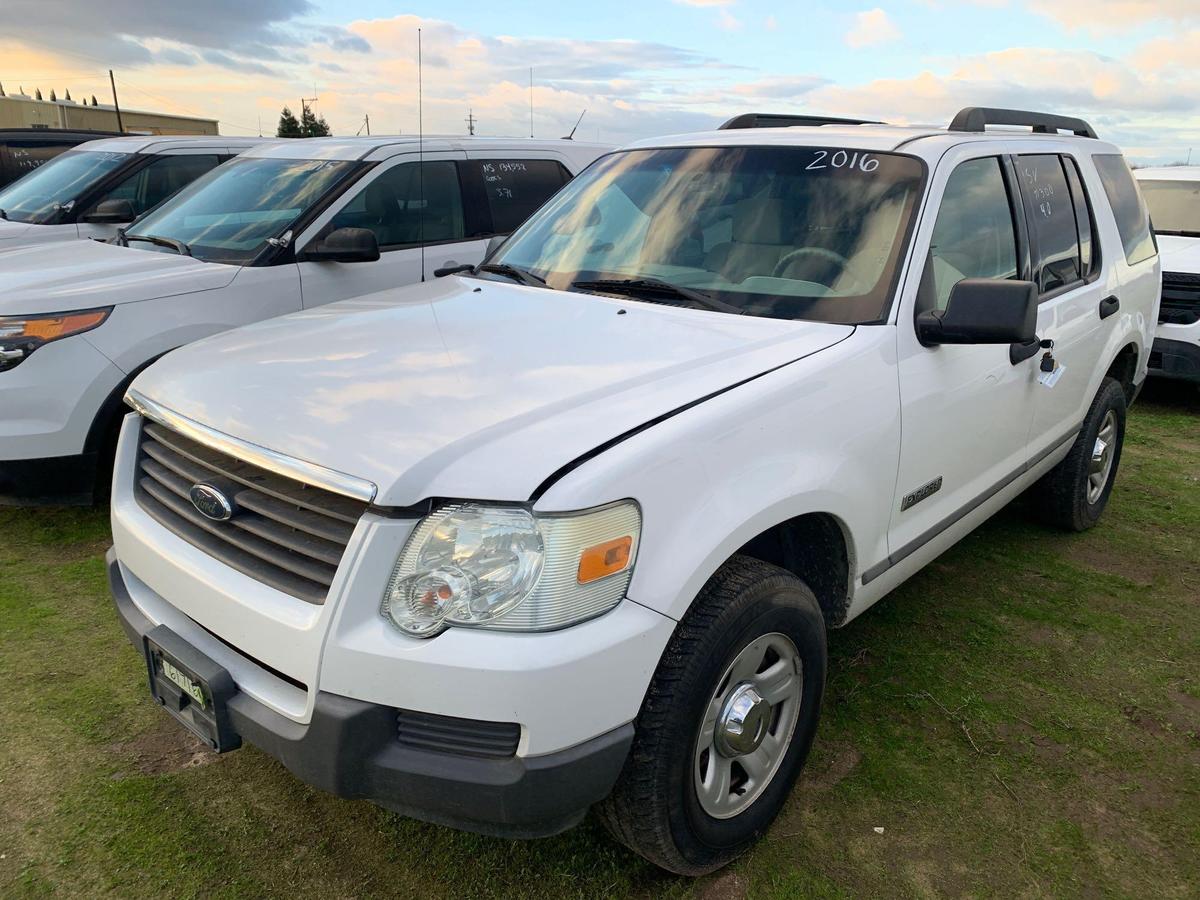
(1050, 209)
(973, 236)
(1133, 221)
(516, 187)
(405, 209)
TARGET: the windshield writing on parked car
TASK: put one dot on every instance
(41, 196)
(786, 232)
(227, 215)
(1174, 206)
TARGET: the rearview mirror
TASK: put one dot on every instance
(983, 311)
(111, 212)
(347, 245)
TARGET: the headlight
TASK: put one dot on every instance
(21, 335)
(507, 568)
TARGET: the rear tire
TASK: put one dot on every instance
(714, 759)
(1073, 494)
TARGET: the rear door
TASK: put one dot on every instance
(506, 187)
(1080, 294)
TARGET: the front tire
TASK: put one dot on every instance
(727, 722)
(1073, 494)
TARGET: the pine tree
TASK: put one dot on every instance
(312, 125)
(289, 126)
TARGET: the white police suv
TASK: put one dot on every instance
(287, 226)
(569, 528)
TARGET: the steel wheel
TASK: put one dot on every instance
(1100, 465)
(748, 725)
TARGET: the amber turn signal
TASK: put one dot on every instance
(604, 559)
(49, 328)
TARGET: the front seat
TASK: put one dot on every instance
(756, 241)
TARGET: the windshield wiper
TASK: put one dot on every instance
(516, 274)
(635, 286)
(178, 246)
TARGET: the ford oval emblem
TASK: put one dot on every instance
(211, 503)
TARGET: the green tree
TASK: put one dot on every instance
(289, 126)
(313, 125)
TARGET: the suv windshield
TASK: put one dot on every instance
(227, 215)
(48, 190)
(1174, 206)
(785, 232)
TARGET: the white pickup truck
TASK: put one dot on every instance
(287, 226)
(1173, 197)
(569, 529)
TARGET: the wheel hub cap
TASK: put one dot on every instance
(1100, 465)
(747, 726)
(743, 722)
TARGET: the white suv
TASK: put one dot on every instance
(95, 188)
(287, 226)
(569, 529)
(1173, 196)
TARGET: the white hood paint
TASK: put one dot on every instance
(14, 233)
(1179, 254)
(463, 387)
(74, 275)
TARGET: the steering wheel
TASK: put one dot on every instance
(820, 252)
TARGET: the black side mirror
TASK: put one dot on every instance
(111, 212)
(983, 311)
(346, 245)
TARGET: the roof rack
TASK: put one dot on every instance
(977, 118)
(776, 120)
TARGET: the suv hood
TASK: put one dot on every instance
(1179, 254)
(11, 231)
(464, 387)
(71, 275)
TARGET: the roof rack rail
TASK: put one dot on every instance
(977, 118)
(777, 120)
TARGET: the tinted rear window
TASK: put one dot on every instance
(1133, 220)
(517, 187)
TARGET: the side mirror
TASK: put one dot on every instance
(494, 244)
(347, 245)
(111, 212)
(983, 311)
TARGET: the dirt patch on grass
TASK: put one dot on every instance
(167, 747)
(1138, 568)
(727, 886)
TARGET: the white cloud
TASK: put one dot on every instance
(1115, 15)
(872, 27)
(728, 22)
(770, 24)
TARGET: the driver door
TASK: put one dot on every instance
(403, 213)
(967, 409)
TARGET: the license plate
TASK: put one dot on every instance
(191, 687)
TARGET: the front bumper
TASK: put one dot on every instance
(350, 748)
(1175, 359)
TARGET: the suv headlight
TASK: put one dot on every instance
(21, 335)
(504, 567)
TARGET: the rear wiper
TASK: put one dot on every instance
(178, 246)
(522, 275)
(635, 286)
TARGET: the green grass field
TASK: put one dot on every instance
(1021, 719)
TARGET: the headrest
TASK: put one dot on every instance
(758, 220)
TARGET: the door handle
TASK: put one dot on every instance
(1108, 306)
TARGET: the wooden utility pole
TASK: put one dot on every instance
(113, 81)
(471, 120)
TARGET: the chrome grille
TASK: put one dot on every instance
(284, 533)
(1180, 299)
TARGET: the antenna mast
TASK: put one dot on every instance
(571, 136)
(420, 157)
(531, 101)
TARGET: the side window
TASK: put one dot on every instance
(974, 235)
(28, 155)
(515, 188)
(1089, 258)
(402, 211)
(1050, 211)
(167, 175)
(1129, 209)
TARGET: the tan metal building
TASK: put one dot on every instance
(23, 111)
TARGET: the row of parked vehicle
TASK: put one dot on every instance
(564, 522)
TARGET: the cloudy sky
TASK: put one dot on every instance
(640, 67)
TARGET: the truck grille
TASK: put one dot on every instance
(1180, 299)
(283, 532)
(465, 737)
